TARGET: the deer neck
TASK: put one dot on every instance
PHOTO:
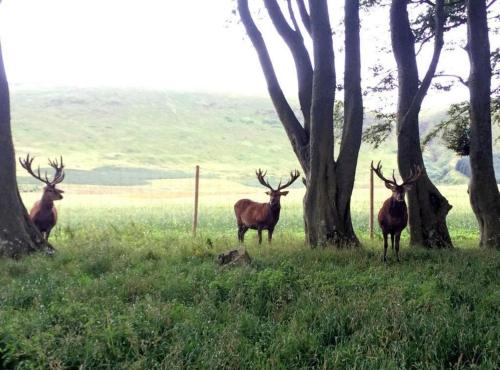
(396, 207)
(46, 203)
(274, 208)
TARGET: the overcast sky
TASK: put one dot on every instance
(173, 44)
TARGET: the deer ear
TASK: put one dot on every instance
(389, 186)
(284, 192)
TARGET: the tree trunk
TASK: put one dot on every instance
(327, 215)
(353, 119)
(427, 207)
(18, 235)
(483, 189)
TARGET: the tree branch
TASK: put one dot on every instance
(491, 3)
(294, 130)
(304, 15)
(301, 57)
(323, 98)
(459, 78)
(353, 100)
(438, 46)
(292, 17)
(423, 42)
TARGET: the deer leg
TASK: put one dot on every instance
(385, 247)
(259, 231)
(398, 236)
(240, 239)
(242, 229)
(47, 234)
(392, 242)
(270, 235)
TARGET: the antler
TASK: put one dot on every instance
(260, 177)
(294, 175)
(378, 171)
(414, 175)
(27, 163)
(59, 167)
(58, 177)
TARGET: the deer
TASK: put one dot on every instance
(262, 216)
(43, 213)
(393, 216)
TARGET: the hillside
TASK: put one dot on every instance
(128, 137)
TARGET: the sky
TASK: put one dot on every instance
(177, 45)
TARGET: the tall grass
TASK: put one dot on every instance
(129, 288)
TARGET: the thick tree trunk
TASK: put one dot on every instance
(18, 236)
(327, 215)
(483, 189)
(427, 207)
(319, 210)
(327, 200)
(353, 119)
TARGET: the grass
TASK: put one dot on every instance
(127, 136)
(129, 288)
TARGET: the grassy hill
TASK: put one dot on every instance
(128, 137)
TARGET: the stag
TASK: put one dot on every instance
(262, 216)
(393, 216)
(43, 213)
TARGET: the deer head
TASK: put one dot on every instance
(50, 191)
(275, 194)
(398, 190)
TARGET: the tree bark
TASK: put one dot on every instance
(319, 203)
(483, 189)
(327, 216)
(18, 235)
(353, 115)
(427, 207)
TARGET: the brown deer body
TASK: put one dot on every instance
(43, 213)
(261, 216)
(393, 216)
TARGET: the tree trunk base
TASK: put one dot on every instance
(486, 207)
(427, 215)
(18, 235)
(324, 226)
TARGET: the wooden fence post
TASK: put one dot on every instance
(196, 193)
(371, 203)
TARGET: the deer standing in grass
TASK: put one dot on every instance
(43, 213)
(262, 216)
(393, 216)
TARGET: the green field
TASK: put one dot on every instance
(126, 136)
(131, 288)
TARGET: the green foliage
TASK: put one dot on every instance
(454, 131)
(379, 132)
(338, 120)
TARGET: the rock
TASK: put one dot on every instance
(238, 257)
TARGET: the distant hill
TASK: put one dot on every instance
(127, 136)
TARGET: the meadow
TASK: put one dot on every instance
(131, 288)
